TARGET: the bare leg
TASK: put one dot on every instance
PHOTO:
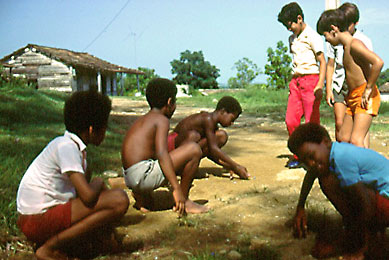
(186, 159)
(346, 129)
(339, 113)
(361, 127)
(143, 202)
(110, 207)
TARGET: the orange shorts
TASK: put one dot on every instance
(354, 100)
(40, 227)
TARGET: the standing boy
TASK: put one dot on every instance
(306, 86)
(56, 200)
(336, 88)
(362, 67)
(146, 160)
(354, 179)
(203, 129)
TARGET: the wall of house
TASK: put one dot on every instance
(47, 73)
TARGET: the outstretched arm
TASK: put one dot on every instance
(218, 156)
(300, 219)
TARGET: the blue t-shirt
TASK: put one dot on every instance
(353, 164)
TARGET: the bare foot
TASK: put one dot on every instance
(143, 202)
(46, 253)
(195, 208)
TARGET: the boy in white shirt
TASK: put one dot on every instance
(56, 200)
(309, 65)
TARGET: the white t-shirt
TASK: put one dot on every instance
(304, 49)
(336, 52)
(45, 183)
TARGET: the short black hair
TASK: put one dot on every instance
(289, 13)
(159, 90)
(229, 104)
(86, 108)
(308, 132)
(331, 17)
(351, 13)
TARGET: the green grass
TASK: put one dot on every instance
(30, 119)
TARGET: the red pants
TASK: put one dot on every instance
(302, 101)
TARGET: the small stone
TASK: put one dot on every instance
(234, 255)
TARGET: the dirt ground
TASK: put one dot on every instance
(246, 215)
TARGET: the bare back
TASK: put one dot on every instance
(141, 140)
(356, 63)
(199, 123)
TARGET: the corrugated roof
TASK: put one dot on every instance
(75, 59)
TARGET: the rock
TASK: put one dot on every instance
(257, 243)
(234, 255)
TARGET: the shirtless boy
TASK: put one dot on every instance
(146, 161)
(203, 129)
(362, 68)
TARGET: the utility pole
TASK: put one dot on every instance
(332, 4)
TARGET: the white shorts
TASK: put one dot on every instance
(144, 176)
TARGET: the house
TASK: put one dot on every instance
(384, 91)
(64, 70)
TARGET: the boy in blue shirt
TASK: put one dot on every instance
(354, 179)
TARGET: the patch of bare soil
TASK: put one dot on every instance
(250, 219)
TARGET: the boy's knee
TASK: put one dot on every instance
(196, 150)
(121, 201)
(222, 137)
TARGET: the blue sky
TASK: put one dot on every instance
(151, 33)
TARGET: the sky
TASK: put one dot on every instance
(152, 33)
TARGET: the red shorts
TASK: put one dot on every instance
(382, 209)
(40, 227)
(171, 144)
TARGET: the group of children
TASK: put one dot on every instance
(58, 202)
(354, 178)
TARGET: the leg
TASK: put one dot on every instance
(110, 207)
(186, 159)
(143, 201)
(294, 110)
(347, 128)
(310, 103)
(361, 127)
(221, 139)
(339, 113)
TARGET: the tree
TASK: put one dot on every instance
(278, 68)
(193, 70)
(247, 71)
(130, 81)
(383, 78)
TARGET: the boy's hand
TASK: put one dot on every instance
(318, 92)
(180, 202)
(330, 99)
(365, 97)
(300, 223)
(242, 172)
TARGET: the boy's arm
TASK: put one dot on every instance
(300, 220)
(329, 73)
(368, 58)
(217, 155)
(166, 163)
(322, 74)
(87, 192)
